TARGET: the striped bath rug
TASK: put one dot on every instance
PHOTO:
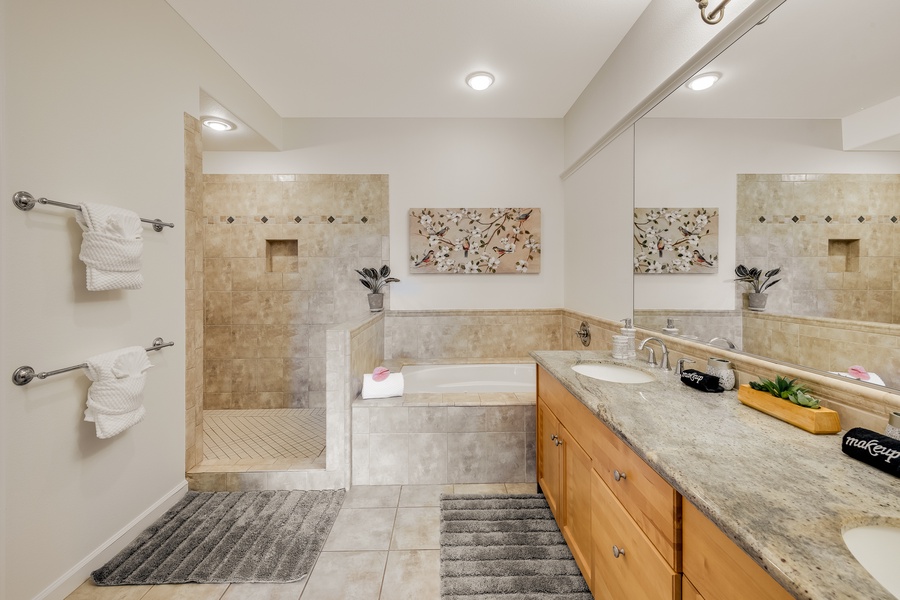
(229, 537)
(505, 547)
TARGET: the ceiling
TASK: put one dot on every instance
(812, 59)
(409, 58)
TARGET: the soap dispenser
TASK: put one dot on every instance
(670, 327)
(629, 331)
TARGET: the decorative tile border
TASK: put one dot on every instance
(852, 219)
(287, 219)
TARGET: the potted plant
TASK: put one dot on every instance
(756, 300)
(375, 280)
(791, 402)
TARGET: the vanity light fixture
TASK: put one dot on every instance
(480, 80)
(217, 124)
(704, 81)
(715, 15)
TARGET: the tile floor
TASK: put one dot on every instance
(385, 545)
(244, 437)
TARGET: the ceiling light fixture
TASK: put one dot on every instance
(480, 80)
(704, 81)
(217, 124)
(715, 15)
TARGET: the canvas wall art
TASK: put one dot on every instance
(475, 240)
(676, 240)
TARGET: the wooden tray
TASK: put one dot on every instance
(814, 420)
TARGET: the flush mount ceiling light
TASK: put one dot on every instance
(704, 81)
(480, 80)
(217, 124)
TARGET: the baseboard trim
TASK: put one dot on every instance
(74, 577)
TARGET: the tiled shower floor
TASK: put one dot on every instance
(264, 438)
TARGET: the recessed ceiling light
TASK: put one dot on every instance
(217, 124)
(480, 80)
(703, 81)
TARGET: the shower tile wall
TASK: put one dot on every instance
(837, 237)
(266, 312)
(193, 275)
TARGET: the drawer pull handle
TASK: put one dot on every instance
(619, 475)
(554, 437)
(558, 442)
(617, 552)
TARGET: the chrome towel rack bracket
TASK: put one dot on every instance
(25, 201)
(24, 374)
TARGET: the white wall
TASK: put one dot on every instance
(598, 234)
(438, 163)
(95, 93)
(663, 40)
(694, 162)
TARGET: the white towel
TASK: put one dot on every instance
(392, 386)
(115, 400)
(111, 247)
(873, 378)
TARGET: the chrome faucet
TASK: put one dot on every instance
(651, 359)
(721, 339)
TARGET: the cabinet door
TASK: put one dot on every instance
(688, 591)
(719, 568)
(548, 459)
(626, 565)
(576, 501)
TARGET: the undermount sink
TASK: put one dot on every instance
(877, 547)
(613, 373)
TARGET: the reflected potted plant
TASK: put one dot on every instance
(374, 280)
(756, 300)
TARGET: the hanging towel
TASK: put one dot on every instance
(115, 400)
(387, 388)
(111, 247)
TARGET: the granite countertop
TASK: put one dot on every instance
(782, 494)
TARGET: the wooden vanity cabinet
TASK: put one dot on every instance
(718, 568)
(574, 457)
(564, 474)
(626, 565)
(688, 591)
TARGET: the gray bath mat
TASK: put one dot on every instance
(505, 547)
(229, 537)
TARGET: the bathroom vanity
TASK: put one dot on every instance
(662, 491)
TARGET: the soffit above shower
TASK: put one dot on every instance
(407, 58)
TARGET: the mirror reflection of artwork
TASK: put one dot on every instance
(475, 240)
(676, 240)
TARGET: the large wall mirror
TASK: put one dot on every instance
(797, 150)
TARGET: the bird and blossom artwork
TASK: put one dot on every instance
(676, 240)
(475, 240)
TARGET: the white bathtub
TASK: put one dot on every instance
(448, 379)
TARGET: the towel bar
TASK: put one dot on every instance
(25, 201)
(23, 375)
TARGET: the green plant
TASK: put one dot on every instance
(375, 279)
(786, 389)
(753, 275)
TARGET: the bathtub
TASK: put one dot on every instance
(449, 379)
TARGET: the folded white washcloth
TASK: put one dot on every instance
(388, 388)
(111, 247)
(873, 378)
(115, 399)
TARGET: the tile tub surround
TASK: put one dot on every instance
(279, 253)
(831, 344)
(781, 494)
(701, 324)
(443, 439)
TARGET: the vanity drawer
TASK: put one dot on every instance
(649, 499)
(638, 574)
(718, 568)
